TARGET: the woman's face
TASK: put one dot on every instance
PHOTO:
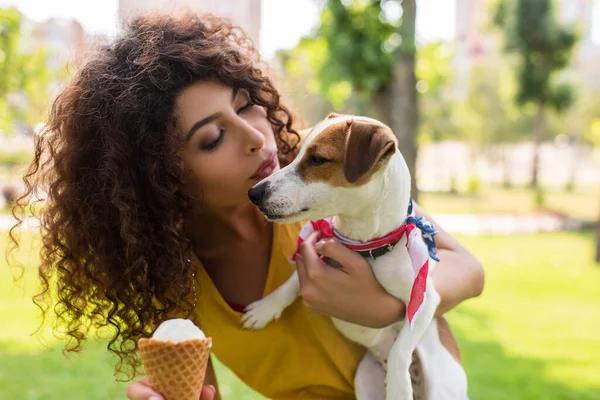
(229, 143)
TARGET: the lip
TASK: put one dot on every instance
(279, 217)
(266, 168)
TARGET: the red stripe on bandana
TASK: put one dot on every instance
(417, 294)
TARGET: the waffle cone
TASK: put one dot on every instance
(176, 370)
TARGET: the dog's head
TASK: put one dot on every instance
(339, 163)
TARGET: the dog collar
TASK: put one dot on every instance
(376, 247)
(419, 250)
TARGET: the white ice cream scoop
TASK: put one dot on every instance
(178, 330)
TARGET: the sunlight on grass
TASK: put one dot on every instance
(534, 332)
(532, 335)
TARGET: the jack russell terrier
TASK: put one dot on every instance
(350, 168)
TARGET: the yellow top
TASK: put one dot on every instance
(299, 356)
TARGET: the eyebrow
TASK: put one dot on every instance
(208, 119)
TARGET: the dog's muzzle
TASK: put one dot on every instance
(259, 193)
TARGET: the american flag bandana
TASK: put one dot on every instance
(419, 251)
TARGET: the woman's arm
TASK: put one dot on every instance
(459, 275)
(353, 294)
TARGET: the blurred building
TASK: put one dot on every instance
(245, 13)
(580, 15)
(64, 39)
(476, 38)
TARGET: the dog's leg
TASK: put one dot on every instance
(444, 377)
(369, 381)
(398, 384)
(258, 314)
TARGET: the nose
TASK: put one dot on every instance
(255, 140)
(259, 193)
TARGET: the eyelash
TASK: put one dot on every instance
(213, 145)
(246, 107)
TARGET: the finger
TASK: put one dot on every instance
(141, 390)
(312, 260)
(301, 269)
(349, 259)
(208, 393)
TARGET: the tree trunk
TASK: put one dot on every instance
(538, 133)
(380, 107)
(506, 153)
(574, 147)
(403, 110)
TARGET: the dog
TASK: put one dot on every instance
(349, 167)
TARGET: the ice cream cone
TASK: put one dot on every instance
(176, 370)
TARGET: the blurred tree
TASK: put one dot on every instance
(300, 84)
(493, 121)
(25, 78)
(436, 101)
(371, 52)
(543, 48)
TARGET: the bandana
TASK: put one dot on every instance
(419, 251)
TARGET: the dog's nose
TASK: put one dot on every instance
(259, 193)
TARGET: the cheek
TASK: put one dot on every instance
(215, 176)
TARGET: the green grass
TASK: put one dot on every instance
(532, 335)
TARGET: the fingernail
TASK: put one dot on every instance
(212, 389)
(154, 398)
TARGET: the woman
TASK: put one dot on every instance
(147, 160)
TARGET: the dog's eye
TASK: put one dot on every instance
(316, 160)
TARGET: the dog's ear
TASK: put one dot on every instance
(333, 115)
(366, 145)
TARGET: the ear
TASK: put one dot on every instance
(333, 115)
(366, 145)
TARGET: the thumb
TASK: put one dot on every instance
(208, 393)
(333, 249)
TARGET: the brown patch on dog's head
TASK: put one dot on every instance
(347, 154)
(367, 145)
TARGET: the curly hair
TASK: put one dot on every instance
(112, 255)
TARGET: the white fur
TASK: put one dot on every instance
(363, 213)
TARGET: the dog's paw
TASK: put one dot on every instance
(258, 314)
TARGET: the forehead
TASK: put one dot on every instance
(202, 94)
(326, 126)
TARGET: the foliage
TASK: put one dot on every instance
(361, 41)
(436, 101)
(25, 77)
(543, 48)
(15, 158)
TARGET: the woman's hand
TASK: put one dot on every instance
(350, 293)
(141, 390)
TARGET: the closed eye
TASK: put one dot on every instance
(317, 160)
(245, 107)
(213, 145)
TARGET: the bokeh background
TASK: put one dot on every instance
(497, 107)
